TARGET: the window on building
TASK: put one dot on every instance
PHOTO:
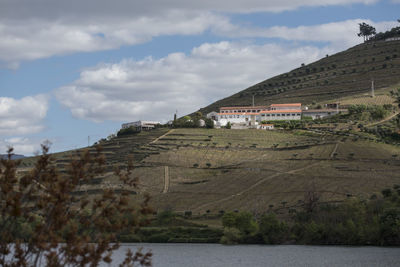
(230, 116)
(278, 114)
(273, 115)
(293, 115)
(298, 114)
(283, 115)
(248, 110)
(268, 115)
(237, 116)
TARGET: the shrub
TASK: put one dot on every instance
(231, 236)
(272, 230)
(127, 131)
(188, 213)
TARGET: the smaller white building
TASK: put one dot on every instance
(266, 126)
(212, 115)
(141, 125)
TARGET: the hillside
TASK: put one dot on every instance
(207, 171)
(340, 75)
(211, 170)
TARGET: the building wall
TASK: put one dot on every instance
(279, 116)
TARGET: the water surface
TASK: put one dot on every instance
(216, 255)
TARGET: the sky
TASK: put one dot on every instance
(71, 72)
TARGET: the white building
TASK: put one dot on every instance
(280, 115)
(289, 106)
(251, 116)
(248, 109)
(141, 125)
(236, 117)
(266, 126)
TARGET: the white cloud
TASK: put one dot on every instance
(154, 89)
(21, 145)
(32, 30)
(22, 116)
(38, 38)
(341, 35)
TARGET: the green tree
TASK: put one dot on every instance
(271, 229)
(229, 219)
(366, 31)
(209, 123)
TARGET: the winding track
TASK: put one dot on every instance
(253, 186)
(385, 119)
(199, 208)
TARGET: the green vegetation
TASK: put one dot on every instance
(353, 222)
(394, 32)
(366, 31)
(293, 124)
(127, 131)
(370, 112)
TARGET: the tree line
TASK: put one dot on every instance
(375, 221)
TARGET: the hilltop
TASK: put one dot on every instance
(335, 76)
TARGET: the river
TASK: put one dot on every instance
(216, 255)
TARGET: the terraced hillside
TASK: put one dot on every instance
(335, 76)
(218, 169)
(226, 170)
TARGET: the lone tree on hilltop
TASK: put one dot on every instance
(366, 31)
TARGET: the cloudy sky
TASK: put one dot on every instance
(75, 69)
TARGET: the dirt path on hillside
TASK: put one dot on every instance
(254, 186)
(162, 136)
(199, 208)
(166, 179)
(385, 119)
(334, 150)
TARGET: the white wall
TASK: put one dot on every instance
(287, 116)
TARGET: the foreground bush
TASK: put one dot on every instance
(43, 223)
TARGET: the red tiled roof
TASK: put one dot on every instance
(287, 105)
(282, 111)
(248, 107)
(239, 113)
(267, 125)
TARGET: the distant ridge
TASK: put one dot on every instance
(15, 156)
(343, 74)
